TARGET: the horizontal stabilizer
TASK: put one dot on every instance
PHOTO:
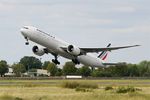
(118, 64)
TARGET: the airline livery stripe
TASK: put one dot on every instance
(104, 57)
(101, 54)
(104, 52)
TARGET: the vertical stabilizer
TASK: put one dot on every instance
(103, 54)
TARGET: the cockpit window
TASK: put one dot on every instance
(25, 27)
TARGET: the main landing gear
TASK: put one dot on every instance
(27, 42)
(56, 60)
(75, 61)
(92, 68)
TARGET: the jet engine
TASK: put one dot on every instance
(73, 50)
(38, 51)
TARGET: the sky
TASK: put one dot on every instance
(85, 23)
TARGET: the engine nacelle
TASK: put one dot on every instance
(73, 50)
(38, 51)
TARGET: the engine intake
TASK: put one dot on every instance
(73, 50)
(38, 51)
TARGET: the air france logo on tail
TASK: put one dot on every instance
(103, 54)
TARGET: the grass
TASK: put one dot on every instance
(73, 85)
(128, 89)
(52, 90)
(8, 97)
(108, 88)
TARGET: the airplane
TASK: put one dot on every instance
(58, 47)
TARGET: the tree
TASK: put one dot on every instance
(102, 72)
(31, 62)
(18, 69)
(69, 68)
(3, 67)
(45, 64)
(96, 73)
(119, 70)
(132, 70)
(144, 68)
(85, 71)
(52, 68)
(59, 72)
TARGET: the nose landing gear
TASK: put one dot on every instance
(27, 42)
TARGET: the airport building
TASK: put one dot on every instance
(37, 72)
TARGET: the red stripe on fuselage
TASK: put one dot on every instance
(104, 57)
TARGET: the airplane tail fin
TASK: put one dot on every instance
(103, 55)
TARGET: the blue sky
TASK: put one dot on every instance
(86, 23)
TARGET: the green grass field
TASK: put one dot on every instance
(53, 90)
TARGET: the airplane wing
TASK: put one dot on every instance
(92, 50)
(105, 49)
(46, 50)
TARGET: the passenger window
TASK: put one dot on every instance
(25, 27)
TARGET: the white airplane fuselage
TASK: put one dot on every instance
(54, 44)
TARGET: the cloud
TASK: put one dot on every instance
(142, 29)
(85, 22)
(133, 29)
(122, 30)
(6, 7)
(124, 9)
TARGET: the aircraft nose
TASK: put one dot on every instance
(22, 30)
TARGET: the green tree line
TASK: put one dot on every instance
(29, 63)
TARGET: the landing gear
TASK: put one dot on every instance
(92, 68)
(75, 61)
(27, 43)
(55, 60)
